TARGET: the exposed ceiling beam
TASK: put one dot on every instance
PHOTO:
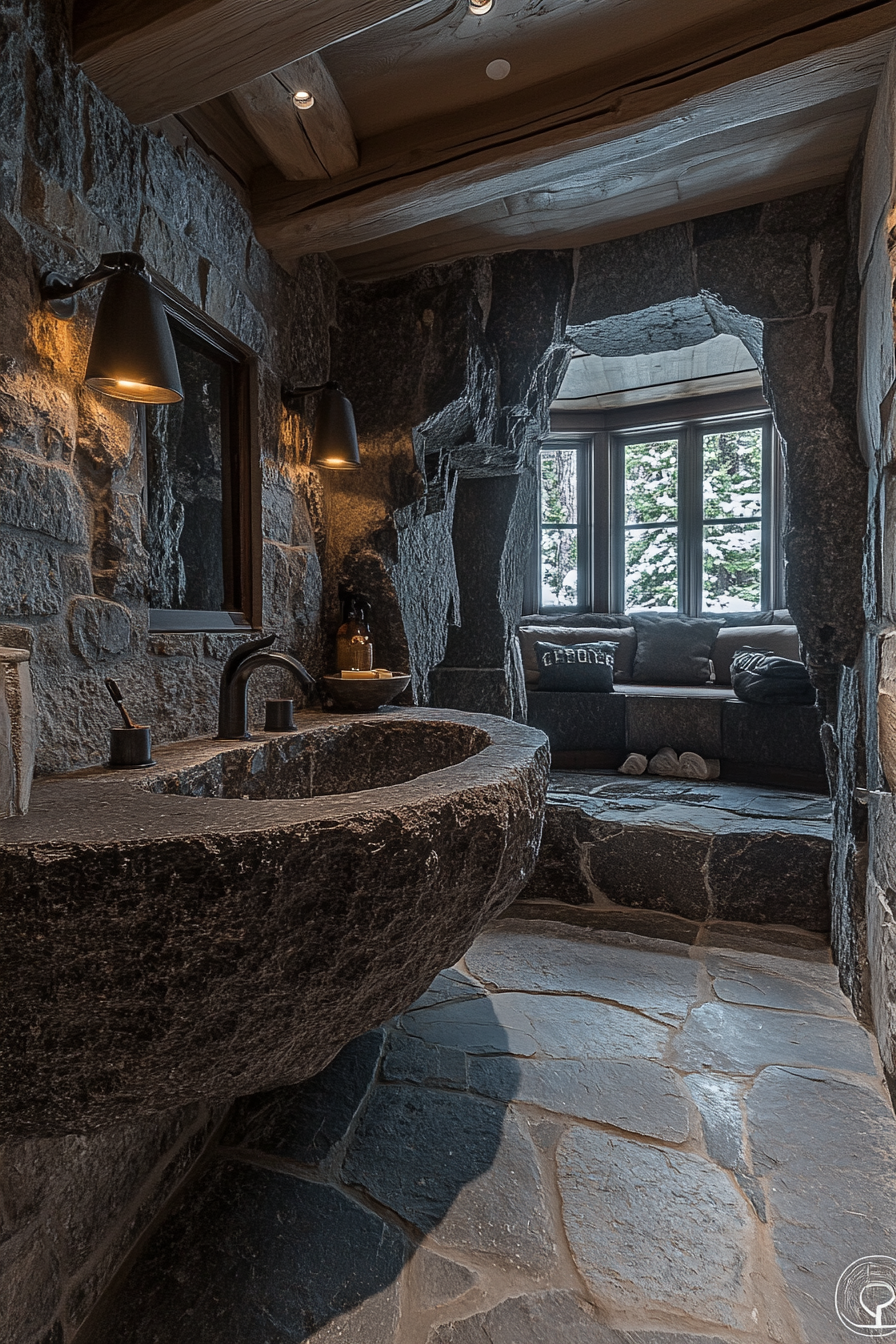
(591, 121)
(753, 164)
(156, 57)
(317, 143)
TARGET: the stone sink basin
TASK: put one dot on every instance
(227, 920)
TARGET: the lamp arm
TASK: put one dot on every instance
(56, 291)
(290, 395)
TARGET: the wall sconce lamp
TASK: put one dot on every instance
(335, 443)
(131, 354)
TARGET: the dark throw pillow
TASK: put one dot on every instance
(674, 649)
(761, 678)
(575, 667)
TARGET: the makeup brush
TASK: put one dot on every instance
(112, 688)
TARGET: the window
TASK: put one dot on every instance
(678, 516)
(201, 493)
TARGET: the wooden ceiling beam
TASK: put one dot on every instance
(157, 57)
(315, 143)
(590, 121)
(780, 157)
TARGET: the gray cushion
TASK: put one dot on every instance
(780, 639)
(673, 648)
(575, 667)
(556, 634)
(742, 617)
(592, 620)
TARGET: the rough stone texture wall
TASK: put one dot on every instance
(450, 412)
(866, 713)
(77, 179)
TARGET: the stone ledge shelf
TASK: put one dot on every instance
(225, 921)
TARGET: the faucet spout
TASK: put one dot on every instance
(233, 711)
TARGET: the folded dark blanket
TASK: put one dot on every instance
(762, 678)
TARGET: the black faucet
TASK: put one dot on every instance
(233, 711)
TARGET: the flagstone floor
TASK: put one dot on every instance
(577, 1136)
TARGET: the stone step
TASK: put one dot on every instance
(714, 851)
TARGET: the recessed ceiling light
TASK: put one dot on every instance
(303, 99)
(480, 6)
(498, 69)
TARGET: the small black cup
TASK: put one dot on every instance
(278, 716)
(129, 747)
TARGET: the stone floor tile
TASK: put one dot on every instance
(551, 1026)
(305, 1122)
(448, 985)
(553, 1317)
(631, 1094)
(258, 1257)
(620, 968)
(751, 800)
(726, 1038)
(734, 982)
(718, 1101)
(408, 1059)
(654, 1229)
(663, 1337)
(827, 1147)
(432, 1281)
(457, 1167)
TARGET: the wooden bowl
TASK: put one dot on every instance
(363, 695)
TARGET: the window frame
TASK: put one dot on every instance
(241, 540)
(600, 437)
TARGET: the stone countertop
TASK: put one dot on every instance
(99, 806)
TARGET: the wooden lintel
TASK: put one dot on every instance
(157, 57)
(593, 121)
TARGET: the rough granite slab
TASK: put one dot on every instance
(227, 920)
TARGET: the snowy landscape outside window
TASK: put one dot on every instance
(682, 517)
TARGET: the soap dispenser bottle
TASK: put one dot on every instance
(354, 647)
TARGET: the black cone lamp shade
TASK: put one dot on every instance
(335, 444)
(132, 354)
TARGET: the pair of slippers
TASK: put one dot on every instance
(668, 763)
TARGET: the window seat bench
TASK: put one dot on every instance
(761, 744)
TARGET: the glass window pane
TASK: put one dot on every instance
(651, 482)
(559, 486)
(732, 473)
(732, 567)
(559, 568)
(651, 569)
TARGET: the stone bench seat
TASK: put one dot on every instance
(760, 743)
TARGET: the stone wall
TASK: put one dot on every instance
(866, 816)
(76, 179)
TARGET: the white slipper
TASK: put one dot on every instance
(665, 762)
(692, 766)
(634, 764)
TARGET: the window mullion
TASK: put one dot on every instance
(616, 550)
(690, 520)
